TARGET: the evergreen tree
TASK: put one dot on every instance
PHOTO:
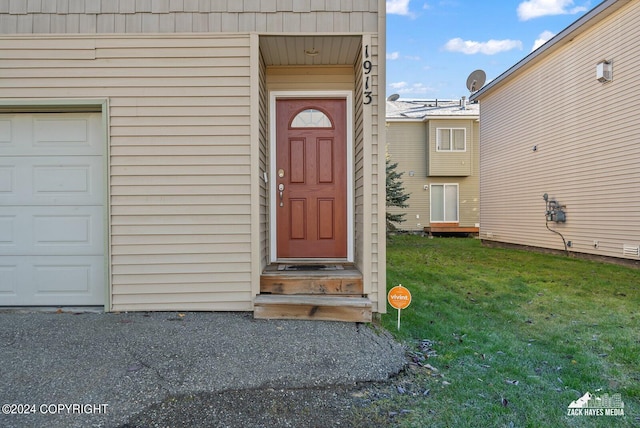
(396, 196)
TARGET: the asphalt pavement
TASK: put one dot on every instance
(83, 369)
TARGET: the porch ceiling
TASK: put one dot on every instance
(291, 50)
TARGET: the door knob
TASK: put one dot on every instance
(281, 189)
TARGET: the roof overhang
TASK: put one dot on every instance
(591, 18)
(323, 50)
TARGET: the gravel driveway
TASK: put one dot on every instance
(184, 369)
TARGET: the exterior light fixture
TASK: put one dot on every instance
(604, 71)
(311, 52)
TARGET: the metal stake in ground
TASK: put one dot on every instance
(399, 297)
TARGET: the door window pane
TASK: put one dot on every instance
(451, 203)
(437, 202)
(311, 118)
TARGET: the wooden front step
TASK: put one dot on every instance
(312, 307)
(327, 292)
(345, 280)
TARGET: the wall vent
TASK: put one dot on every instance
(631, 250)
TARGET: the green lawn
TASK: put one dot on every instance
(512, 337)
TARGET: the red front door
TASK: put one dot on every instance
(311, 178)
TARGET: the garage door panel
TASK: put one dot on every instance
(5, 132)
(51, 281)
(60, 180)
(63, 180)
(8, 279)
(52, 234)
(29, 230)
(8, 231)
(7, 180)
(51, 134)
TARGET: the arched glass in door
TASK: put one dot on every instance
(311, 118)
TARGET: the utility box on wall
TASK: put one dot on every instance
(604, 71)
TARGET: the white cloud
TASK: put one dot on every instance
(418, 89)
(398, 7)
(536, 8)
(542, 39)
(392, 56)
(398, 85)
(413, 89)
(490, 47)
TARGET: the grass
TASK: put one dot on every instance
(514, 336)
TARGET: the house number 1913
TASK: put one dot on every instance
(367, 66)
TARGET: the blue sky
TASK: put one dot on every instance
(433, 45)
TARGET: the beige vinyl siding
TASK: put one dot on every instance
(450, 163)
(369, 190)
(380, 176)
(469, 185)
(184, 82)
(409, 146)
(187, 16)
(358, 166)
(374, 187)
(586, 134)
(179, 167)
(468, 199)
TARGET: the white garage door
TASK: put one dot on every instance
(51, 210)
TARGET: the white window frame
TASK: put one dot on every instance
(451, 149)
(444, 185)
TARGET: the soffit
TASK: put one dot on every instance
(290, 50)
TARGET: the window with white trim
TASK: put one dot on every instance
(444, 203)
(451, 139)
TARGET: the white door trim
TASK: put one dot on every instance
(273, 96)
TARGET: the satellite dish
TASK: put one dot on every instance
(475, 80)
(393, 97)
